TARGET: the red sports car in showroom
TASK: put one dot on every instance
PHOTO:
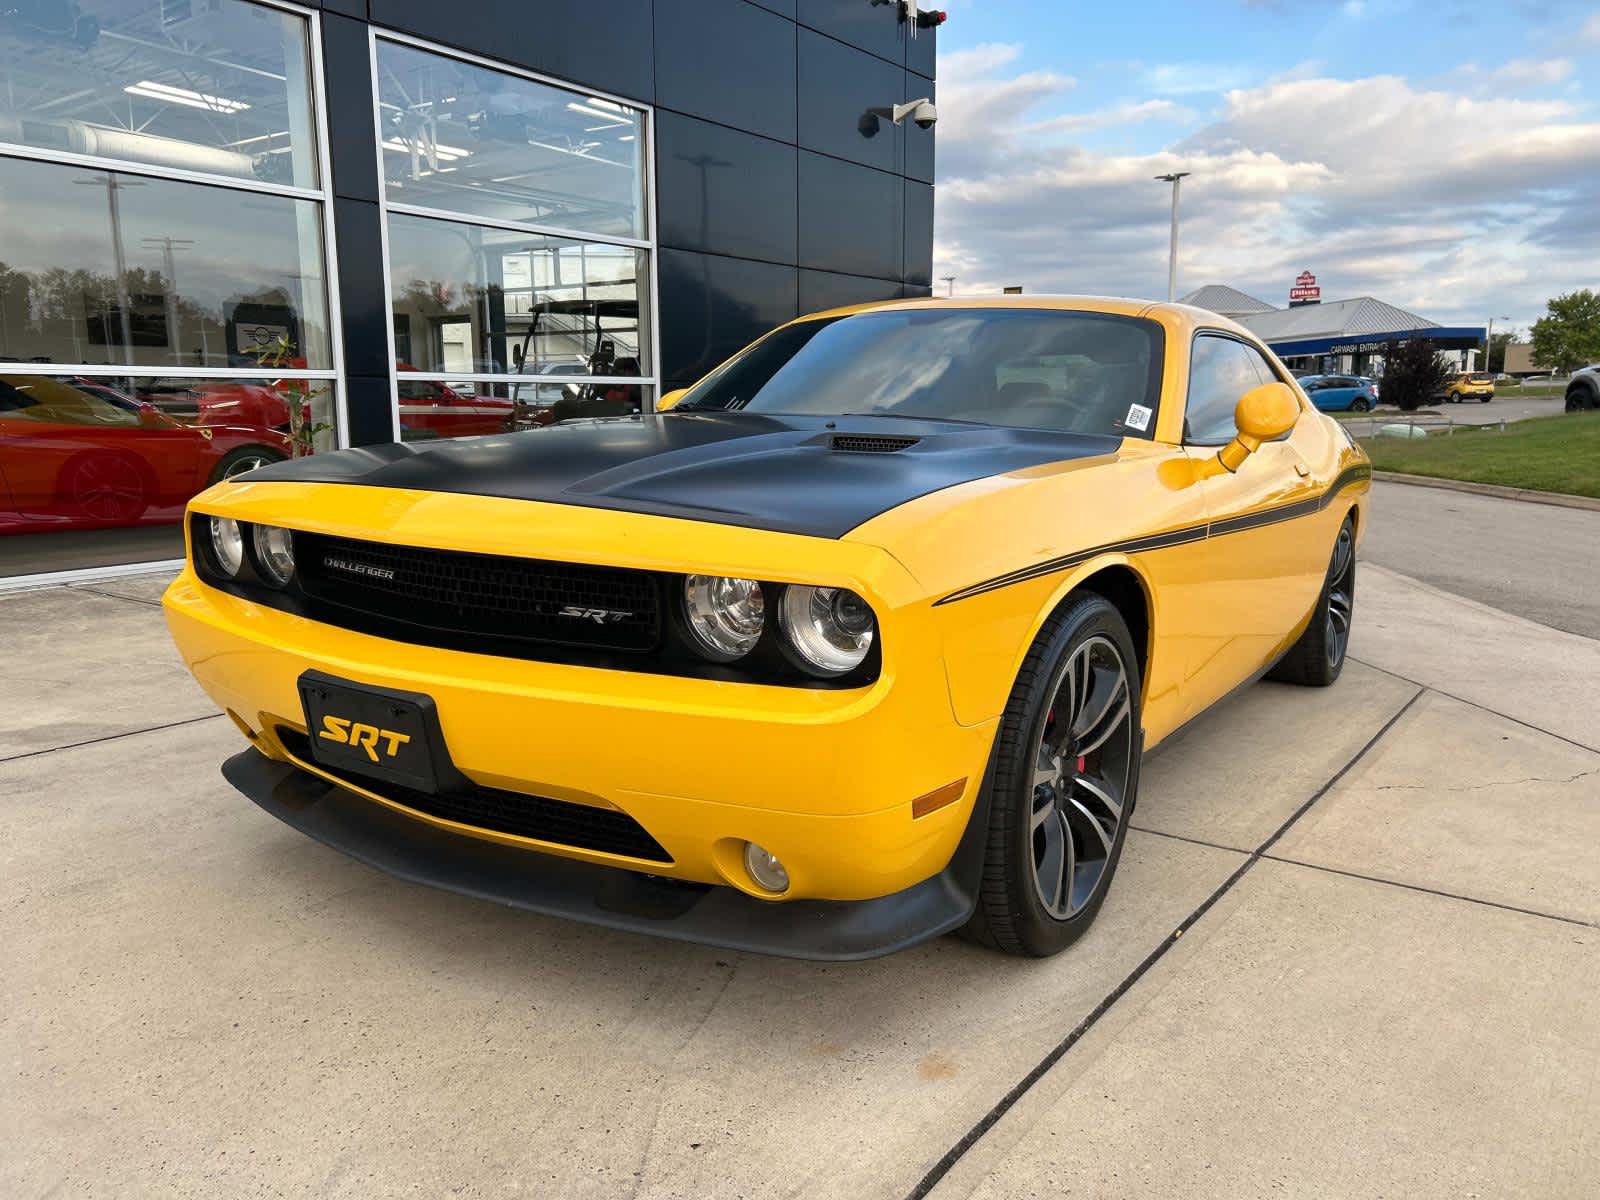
(90, 457)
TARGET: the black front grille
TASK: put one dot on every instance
(483, 599)
(862, 443)
(577, 825)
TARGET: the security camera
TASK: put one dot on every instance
(921, 111)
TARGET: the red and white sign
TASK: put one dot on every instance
(1305, 287)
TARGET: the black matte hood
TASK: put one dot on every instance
(820, 476)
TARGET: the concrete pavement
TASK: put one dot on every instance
(1509, 407)
(1385, 984)
(1535, 560)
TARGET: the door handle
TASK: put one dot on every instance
(1301, 469)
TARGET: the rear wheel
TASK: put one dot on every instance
(1063, 782)
(1360, 404)
(245, 458)
(1318, 657)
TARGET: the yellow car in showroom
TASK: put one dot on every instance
(858, 644)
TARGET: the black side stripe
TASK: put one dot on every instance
(1176, 537)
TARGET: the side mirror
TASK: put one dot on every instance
(1263, 413)
(670, 399)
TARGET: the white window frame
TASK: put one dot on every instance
(385, 207)
(322, 195)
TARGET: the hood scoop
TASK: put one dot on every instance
(865, 443)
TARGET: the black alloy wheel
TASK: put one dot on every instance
(1080, 777)
(1317, 657)
(1063, 782)
(1341, 604)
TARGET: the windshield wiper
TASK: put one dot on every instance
(914, 417)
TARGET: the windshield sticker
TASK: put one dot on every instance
(1138, 418)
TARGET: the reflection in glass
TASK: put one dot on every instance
(92, 453)
(133, 271)
(438, 409)
(220, 86)
(476, 300)
(483, 143)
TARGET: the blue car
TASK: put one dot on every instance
(1341, 393)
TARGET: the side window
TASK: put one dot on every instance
(1220, 371)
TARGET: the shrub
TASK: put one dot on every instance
(1413, 374)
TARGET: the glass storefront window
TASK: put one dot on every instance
(484, 143)
(480, 300)
(217, 86)
(95, 452)
(164, 291)
(106, 267)
(439, 408)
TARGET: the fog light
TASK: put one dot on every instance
(765, 868)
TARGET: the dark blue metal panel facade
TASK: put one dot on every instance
(773, 197)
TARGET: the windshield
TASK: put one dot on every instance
(1066, 370)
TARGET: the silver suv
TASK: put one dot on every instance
(1583, 390)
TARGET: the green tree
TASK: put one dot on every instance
(1568, 335)
(1414, 372)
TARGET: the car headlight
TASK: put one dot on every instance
(227, 545)
(725, 615)
(274, 554)
(830, 629)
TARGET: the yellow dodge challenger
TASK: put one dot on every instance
(859, 641)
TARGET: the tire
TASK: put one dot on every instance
(1581, 398)
(1318, 657)
(1359, 404)
(106, 487)
(1061, 792)
(244, 458)
(1485, 399)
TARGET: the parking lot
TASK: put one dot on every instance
(1353, 950)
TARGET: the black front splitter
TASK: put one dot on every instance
(414, 850)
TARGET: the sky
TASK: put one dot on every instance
(1442, 155)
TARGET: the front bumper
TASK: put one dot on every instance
(823, 779)
(598, 895)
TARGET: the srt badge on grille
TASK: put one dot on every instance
(600, 616)
(334, 563)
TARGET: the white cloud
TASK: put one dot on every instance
(1132, 113)
(1449, 202)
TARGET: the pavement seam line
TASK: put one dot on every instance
(93, 591)
(110, 737)
(952, 1156)
(1399, 883)
(1474, 704)
(1418, 887)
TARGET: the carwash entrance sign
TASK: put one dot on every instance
(1305, 290)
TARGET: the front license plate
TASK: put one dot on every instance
(377, 732)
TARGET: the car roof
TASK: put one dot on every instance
(1180, 316)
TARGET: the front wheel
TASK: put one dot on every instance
(1316, 659)
(1063, 782)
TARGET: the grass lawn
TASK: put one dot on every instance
(1531, 389)
(1546, 454)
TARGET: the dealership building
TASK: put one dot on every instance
(1347, 337)
(237, 230)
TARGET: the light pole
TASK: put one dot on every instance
(1488, 340)
(168, 245)
(949, 284)
(1174, 179)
